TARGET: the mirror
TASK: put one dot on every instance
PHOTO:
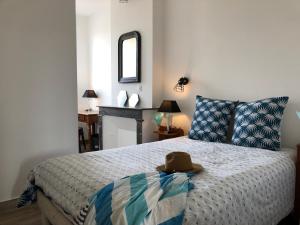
(130, 58)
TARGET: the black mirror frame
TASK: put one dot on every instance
(137, 79)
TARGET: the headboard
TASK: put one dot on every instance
(297, 188)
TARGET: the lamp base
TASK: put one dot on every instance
(170, 131)
(169, 121)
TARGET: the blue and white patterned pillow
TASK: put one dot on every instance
(211, 120)
(257, 124)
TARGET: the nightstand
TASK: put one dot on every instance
(91, 119)
(297, 195)
(173, 133)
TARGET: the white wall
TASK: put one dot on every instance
(107, 21)
(38, 87)
(120, 132)
(158, 52)
(94, 51)
(234, 49)
(136, 15)
(100, 52)
(83, 60)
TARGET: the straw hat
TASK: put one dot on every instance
(179, 162)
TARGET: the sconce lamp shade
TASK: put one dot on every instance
(179, 87)
(169, 107)
(90, 94)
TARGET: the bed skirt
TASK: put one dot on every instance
(51, 215)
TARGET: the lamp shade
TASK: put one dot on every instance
(90, 94)
(169, 106)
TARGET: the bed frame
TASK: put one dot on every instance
(52, 215)
(297, 188)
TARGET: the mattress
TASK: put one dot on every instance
(292, 153)
(239, 185)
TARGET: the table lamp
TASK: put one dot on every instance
(168, 107)
(89, 94)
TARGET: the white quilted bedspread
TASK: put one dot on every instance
(240, 186)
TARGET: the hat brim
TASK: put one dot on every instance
(197, 168)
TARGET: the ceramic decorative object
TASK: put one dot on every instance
(158, 118)
(122, 98)
(134, 100)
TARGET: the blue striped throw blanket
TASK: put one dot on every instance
(143, 199)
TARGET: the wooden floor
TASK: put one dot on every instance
(30, 215)
(10, 215)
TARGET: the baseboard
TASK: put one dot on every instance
(9, 200)
(9, 203)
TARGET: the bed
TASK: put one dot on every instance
(239, 185)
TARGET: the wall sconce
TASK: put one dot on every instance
(179, 87)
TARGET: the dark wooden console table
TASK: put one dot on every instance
(125, 112)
